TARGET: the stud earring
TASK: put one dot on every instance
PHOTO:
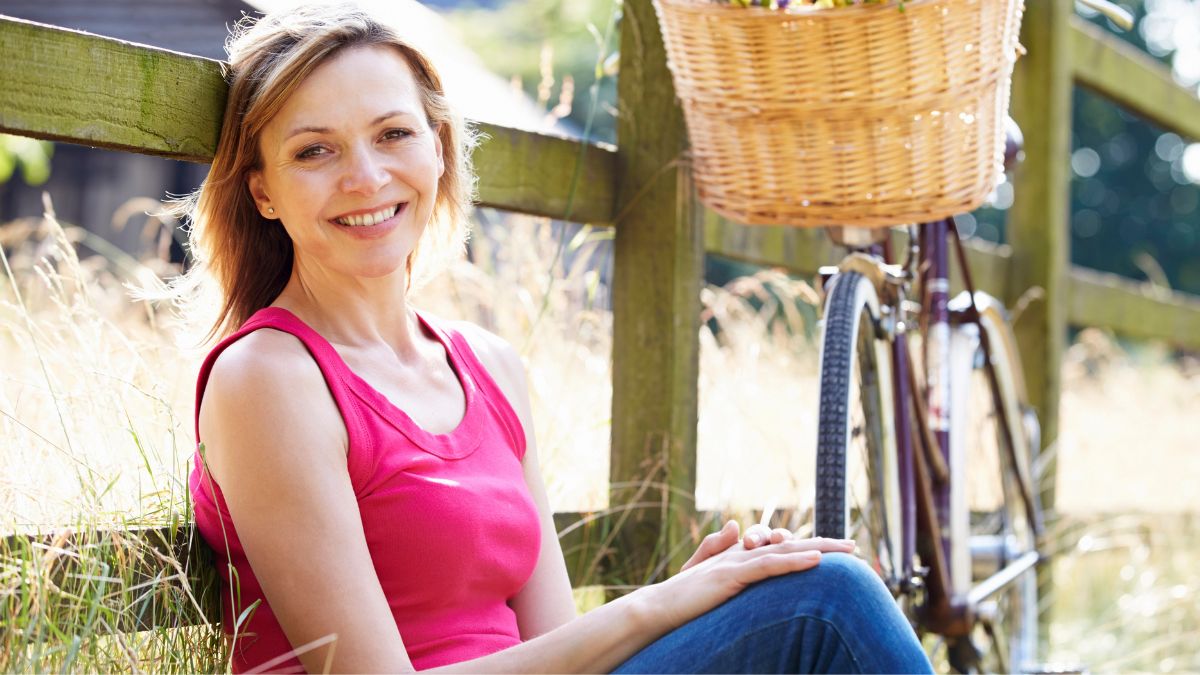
(271, 210)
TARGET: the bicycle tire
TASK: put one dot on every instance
(998, 527)
(858, 488)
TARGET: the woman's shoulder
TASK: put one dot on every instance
(265, 363)
(494, 353)
(264, 354)
(265, 391)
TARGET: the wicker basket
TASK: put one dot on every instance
(866, 115)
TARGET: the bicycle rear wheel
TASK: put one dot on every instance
(990, 523)
(858, 493)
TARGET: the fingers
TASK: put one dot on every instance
(821, 544)
(713, 544)
(757, 535)
(776, 564)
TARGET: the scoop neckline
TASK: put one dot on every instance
(454, 444)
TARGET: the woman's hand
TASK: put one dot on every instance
(723, 565)
(720, 541)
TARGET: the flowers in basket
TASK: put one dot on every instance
(784, 4)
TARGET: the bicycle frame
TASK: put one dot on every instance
(922, 424)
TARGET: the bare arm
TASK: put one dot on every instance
(276, 445)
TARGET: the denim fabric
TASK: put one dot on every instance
(835, 618)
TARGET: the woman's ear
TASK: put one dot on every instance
(258, 192)
(437, 146)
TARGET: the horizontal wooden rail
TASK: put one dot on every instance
(1130, 308)
(1125, 74)
(803, 250)
(1133, 309)
(65, 85)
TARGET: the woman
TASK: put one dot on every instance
(367, 471)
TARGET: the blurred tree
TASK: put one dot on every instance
(31, 156)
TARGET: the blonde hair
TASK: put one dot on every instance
(250, 257)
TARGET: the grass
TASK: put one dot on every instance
(95, 440)
(96, 432)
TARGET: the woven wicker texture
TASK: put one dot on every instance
(863, 115)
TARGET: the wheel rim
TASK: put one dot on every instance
(871, 498)
(1000, 530)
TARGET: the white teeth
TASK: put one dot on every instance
(369, 219)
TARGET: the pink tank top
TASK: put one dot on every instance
(448, 518)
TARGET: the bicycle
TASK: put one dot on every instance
(900, 439)
(897, 447)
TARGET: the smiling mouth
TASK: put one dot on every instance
(370, 219)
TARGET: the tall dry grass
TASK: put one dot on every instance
(96, 431)
(94, 436)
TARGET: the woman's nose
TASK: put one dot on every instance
(364, 173)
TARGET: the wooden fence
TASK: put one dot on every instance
(78, 88)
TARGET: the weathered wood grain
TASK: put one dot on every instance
(64, 85)
(546, 175)
(658, 267)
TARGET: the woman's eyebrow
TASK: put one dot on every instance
(325, 130)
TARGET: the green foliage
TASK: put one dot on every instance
(31, 156)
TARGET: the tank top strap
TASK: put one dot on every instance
(327, 359)
(496, 401)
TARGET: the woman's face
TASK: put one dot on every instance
(350, 165)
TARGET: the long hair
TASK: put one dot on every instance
(250, 257)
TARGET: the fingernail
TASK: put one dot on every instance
(755, 539)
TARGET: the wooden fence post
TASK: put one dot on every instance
(1039, 222)
(658, 267)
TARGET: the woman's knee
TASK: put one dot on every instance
(842, 591)
(838, 577)
(846, 571)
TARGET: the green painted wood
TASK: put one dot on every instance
(801, 251)
(546, 175)
(74, 87)
(1038, 227)
(1038, 219)
(1133, 309)
(1103, 63)
(65, 85)
(658, 268)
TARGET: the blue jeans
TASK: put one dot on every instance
(835, 618)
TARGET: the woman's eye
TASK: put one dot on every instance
(396, 134)
(310, 152)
